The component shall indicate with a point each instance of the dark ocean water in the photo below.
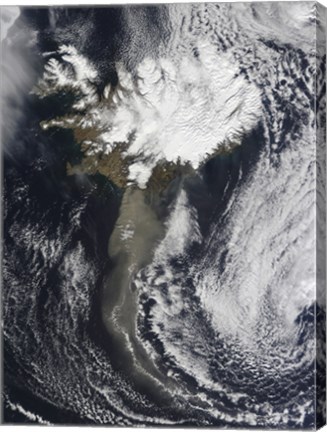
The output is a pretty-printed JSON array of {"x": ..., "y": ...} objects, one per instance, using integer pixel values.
[{"x": 51, "y": 196}]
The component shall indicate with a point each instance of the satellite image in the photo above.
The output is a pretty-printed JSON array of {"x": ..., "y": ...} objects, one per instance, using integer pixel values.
[{"x": 163, "y": 203}]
